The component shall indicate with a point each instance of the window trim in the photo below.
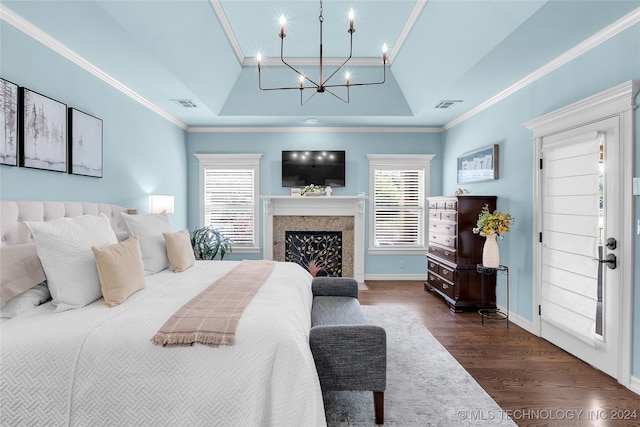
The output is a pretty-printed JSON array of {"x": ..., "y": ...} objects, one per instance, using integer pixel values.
[
  {"x": 239, "y": 161},
  {"x": 399, "y": 161}
]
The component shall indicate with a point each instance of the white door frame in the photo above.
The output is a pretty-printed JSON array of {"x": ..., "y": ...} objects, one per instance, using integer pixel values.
[{"x": 617, "y": 101}]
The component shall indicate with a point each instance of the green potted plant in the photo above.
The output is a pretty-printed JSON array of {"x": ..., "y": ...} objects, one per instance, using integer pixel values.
[{"x": 208, "y": 241}]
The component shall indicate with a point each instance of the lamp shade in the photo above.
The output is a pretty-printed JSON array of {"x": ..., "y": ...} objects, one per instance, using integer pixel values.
[{"x": 159, "y": 203}]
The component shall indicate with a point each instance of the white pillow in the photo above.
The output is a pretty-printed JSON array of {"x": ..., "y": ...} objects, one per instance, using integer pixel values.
[
  {"x": 64, "y": 247},
  {"x": 25, "y": 301},
  {"x": 149, "y": 229}
]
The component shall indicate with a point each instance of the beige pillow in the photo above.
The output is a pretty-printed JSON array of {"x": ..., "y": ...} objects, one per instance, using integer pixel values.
[
  {"x": 120, "y": 270},
  {"x": 20, "y": 270},
  {"x": 179, "y": 250}
]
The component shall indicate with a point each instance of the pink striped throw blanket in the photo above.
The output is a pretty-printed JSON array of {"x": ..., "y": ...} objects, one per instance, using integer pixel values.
[{"x": 212, "y": 316}]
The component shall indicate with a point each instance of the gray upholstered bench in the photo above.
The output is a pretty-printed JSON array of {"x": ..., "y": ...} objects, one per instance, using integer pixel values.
[{"x": 349, "y": 352}]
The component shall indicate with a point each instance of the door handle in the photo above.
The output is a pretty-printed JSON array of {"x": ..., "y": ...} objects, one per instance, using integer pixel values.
[{"x": 611, "y": 261}]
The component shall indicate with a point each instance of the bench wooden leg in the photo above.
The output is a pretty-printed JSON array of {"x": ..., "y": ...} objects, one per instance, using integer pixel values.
[{"x": 378, "y": 404}]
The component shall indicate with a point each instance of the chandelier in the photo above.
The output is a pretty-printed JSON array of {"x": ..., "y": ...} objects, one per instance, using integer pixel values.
[{"x": 322, "y": 85}]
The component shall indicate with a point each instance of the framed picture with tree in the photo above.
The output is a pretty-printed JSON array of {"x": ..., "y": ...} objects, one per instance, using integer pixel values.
[
  {"x": 9, "y": 114},
  {"x": 43, "y": 132},
  {"x": 85, "y": 144}
]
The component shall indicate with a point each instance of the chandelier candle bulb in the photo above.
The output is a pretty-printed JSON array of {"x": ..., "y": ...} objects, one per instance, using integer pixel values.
[
  {"x": 322, "y": 84},
  {"x": 384, "y": 53}
]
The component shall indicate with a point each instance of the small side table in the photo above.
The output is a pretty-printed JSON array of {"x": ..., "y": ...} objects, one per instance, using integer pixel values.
[{"x": 493, "y": 313}]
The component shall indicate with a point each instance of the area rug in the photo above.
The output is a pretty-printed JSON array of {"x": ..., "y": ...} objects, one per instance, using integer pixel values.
[{"x": 426, "y": 386}]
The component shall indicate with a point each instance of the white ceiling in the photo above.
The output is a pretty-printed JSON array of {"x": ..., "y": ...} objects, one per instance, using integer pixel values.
[{"x": 204, "y": 51}]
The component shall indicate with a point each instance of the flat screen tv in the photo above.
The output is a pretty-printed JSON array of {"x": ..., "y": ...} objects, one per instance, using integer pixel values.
[{"x": 304, "y": 167}]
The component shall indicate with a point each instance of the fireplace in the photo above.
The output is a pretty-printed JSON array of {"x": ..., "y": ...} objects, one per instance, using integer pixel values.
[
  {"x": 335, "y": 213},
  {"x": 319, "y": 252}
]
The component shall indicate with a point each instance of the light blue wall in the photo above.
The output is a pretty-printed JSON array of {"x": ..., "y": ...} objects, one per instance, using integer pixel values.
[
  {"x": 356, "y": 144},
  {"x": 143, "y": 153},
  {"x": 605, "y": 66}
]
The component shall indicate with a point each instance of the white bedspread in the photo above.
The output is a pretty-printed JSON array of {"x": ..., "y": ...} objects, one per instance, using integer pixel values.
[{"x": 96, "y": 365}]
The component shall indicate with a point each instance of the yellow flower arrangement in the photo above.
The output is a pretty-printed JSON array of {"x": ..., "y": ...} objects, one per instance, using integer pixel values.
[{"x": 493, "y": 223}]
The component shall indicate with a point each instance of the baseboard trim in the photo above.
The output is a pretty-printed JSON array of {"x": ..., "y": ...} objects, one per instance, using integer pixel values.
[
  {"x": 398, "y": 277},
  {"x": 525, "y": 324},
  {"x": 634, "y": 384}
]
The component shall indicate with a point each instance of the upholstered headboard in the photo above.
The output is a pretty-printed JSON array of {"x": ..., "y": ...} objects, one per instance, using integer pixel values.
[{"x": 13, "y": 231}]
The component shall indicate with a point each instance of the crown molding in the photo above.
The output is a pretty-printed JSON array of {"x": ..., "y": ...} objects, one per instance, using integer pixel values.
[
  {"x": 413, "y": 17},
  {"x": 226, "y": 26},
  {"x": 36, "y": 33},
  {"x": 358, "y": 62},
  {"x": 601, "y": 36}
]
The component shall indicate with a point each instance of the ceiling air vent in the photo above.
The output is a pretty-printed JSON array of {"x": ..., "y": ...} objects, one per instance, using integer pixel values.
[
  {"x": 186, "y": 103},
  {"x": 448, "y": 103}
]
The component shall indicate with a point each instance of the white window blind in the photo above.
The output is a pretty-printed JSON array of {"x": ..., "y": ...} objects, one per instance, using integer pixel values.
[
  {"x": 399, "y": 186},
  {"x": 229, "y": 201},
  {"x": 399, "y": 207}
]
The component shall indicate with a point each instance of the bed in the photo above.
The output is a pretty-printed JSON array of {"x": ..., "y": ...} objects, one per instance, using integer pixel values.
[{"x": 96, "y": 365}]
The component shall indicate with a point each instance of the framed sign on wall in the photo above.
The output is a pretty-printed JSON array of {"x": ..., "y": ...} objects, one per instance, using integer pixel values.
[{"x": 478, "y": 165}]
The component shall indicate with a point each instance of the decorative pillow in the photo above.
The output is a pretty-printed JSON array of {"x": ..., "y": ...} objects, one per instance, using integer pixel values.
[
  {"x": 26, "y": 300},
  {"x": 149, "y": 229},
  {"x": 20, "y": 269},
  {"x": 179, "y": 250},
  {"x": 64, "y": 246},
  {"x": 120, "y": 270}
]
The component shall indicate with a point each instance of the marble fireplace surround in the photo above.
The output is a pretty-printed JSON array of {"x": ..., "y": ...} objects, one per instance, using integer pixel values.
[{"x": 318, "y": 206}]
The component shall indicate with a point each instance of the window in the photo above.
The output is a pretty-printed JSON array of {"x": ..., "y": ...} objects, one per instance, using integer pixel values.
[
  {"x": 399, "y": 186},
  {"x": 229, "y": 197}
]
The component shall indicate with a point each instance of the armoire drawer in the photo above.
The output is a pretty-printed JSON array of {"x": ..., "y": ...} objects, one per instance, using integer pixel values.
[
  {"x": 449, "y": 216},
  {"x": 445, "y": 253},
  {"x": 441, "y": 285},
  {"x": 442, "y": 239},
  {"x": 442, "y": 227},
  {"x": 446, "y": 272},
  {"x": 433, "y": 266}
]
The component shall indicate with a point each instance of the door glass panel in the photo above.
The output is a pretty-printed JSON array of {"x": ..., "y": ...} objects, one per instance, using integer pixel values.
[
  {"x": 572, "y": 230},
  {"x": 601, "y": 239}
]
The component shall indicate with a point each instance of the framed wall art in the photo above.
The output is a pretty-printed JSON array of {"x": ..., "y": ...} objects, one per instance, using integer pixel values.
[
  {"x": 43, "y": 132},
  {"x": 85, "y": 144},
  {"x": 9, "y": 114},
  {"x": 479, "y": 165}
]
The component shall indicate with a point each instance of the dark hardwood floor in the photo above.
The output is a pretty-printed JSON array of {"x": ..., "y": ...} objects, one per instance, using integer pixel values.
[{"x": 533, "y": 381}]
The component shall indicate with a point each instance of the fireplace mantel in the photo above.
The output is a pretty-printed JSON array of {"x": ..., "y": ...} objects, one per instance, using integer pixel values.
[{"x": 317, "y": 206}]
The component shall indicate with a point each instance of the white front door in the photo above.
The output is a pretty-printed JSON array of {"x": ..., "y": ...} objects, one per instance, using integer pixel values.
[{"x": 581, "y": 223}]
